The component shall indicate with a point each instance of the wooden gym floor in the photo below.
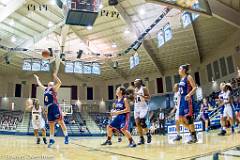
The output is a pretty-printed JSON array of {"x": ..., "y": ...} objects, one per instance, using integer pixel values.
[{"x": 89, "y": 148}]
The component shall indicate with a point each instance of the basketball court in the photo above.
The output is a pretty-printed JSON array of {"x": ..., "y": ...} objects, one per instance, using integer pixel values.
[
  {"x": 89, "y": 148},
  {"x": 80, "y": 52}
]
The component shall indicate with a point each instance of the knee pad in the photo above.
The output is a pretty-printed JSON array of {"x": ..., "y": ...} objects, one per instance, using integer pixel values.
[
  {"x": 143, "y": 123},
  {"x": 189, "y": 119}
]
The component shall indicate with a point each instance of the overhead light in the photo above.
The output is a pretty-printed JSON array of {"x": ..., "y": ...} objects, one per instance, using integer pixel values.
[
  {"x": 213, "y": 81},
  {"x": 53, "y": 2},
  {"x": 13, "y": 39},
  {"x": 114, "y": 45},
  {"x": 11, "y": 22},
  {"x": 89, "y": 27},
  {"x": 135, "y": 48},
  {"x": 50, "y": 24},
  {"x": 115, "y": 65},
  {"x": 79, "y": 54},
  {"x": 126, "y": 31},
  {"x": 62, "y": 56},
  {"x": 50, "y": 51},
  {"x": 141, "y": 12},
  {"x": 101, "y": 6}
]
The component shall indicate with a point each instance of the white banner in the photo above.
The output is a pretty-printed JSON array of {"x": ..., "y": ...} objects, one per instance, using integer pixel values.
[{"x": 172, "y": 128}]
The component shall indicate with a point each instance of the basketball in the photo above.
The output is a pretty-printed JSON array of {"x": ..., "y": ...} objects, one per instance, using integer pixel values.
[{"x": 45, "y": 54}]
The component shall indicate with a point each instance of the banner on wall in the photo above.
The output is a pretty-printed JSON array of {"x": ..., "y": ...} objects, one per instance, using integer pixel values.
[{"x": 172, "y": 128}]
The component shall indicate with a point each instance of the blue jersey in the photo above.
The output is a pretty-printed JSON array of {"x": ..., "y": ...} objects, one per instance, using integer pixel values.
[
  {"x": 184, "y": 87},
  {"x": 205, "y": 108},
  {"x": 50, "y": 97},
  {"x": 119, "y": 105}
]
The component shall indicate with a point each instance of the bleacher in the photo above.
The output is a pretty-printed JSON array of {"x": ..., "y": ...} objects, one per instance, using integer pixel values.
[{"x": 9, "y": 120}]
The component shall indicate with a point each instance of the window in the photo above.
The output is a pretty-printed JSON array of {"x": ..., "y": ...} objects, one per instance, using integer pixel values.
[
  {"x": 160, "y": 38},
  {"x": 223, "y": 66},
  {"x": 216, "y": 70},
  {"x": 167, "y": 32},
  {"x": 209, "y": 72},
  {"x": 176, "y": 78},
  {"x": 230, "y": 64},
  {"x": 168, "y": 81},
  {"x": 186, "y": 19}
]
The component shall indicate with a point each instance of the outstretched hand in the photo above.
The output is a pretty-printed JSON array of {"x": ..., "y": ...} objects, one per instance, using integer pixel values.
[{"x": 35, "y": 76}]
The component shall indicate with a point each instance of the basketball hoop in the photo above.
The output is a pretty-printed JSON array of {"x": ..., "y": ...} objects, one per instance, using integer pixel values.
[{"x": 66, "y": 109}]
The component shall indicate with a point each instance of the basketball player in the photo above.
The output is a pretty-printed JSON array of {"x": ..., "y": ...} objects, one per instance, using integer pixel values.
[
  {"x": 38, "y": 122},
  {"x": 120, "y": 123},
  {"x": 176, "y": 110},
  {"x": 141, "y": 110},
  {"x": 187, "y": 88},
  {"x": 204, "y": 114},
  {"x": 119, "y": 135},
  {"x": 221, "y": 105},
  {"x": 53, "y": 108},
  {"x": 228, "y": 108},
  {"x": 237, "y": 111}
]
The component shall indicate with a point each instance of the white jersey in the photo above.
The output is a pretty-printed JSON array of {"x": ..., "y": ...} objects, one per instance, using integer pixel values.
[
  {"x": 37, "y": 119},
  {"x": 139, "y": 100},
  {"x": 228, "y": 110},
  {"x": 36, "y": 114},
  {"x": 226, "y": 98}
]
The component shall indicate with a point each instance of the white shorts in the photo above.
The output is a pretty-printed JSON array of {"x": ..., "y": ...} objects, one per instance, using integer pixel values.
[
  {"x": 39, "y": 124},
  {"x": 177, "y": 115},
  {"x": 228, "y": 111},
  {"x": 140, "y": 112}
]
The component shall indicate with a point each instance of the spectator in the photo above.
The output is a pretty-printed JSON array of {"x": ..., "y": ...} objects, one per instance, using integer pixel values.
[{"x": 161, "y": 119}]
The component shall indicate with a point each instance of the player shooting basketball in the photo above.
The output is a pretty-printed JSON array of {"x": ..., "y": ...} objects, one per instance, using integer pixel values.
[{"x": 53, "y": 108}]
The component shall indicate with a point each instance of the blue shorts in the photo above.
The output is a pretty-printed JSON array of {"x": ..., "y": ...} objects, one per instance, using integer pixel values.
[
  {"x": 221, "y": 110},
  {"x": 205, "y": 116},
  {"x": 185, "y": 107},
  {"x": 120, "y": 122},
  {"x": 54, "y": 113}
]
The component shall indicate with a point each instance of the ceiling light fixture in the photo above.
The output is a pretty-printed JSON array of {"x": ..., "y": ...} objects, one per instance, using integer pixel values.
[
  {"x": 50, "y": 24},
  {"x": 89, "y": 27},
  {"x": 126, "y": 31},
  {"x": 114, "y": 45},
  {"x": 53, "y": 2},
  {"x": 13, "y": 39},
  {"x": 101, "y": 6},
  {"x": 79, "y": 54},
  {"x": 141, "y": 11}
]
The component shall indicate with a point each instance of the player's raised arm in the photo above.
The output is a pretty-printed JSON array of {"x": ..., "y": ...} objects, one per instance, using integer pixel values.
[
  {"x": 58, "y": 82},
  {"x": 39, "y": 82}
]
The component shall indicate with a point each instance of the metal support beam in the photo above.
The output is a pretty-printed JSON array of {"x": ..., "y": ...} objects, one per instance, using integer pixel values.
[
  {"x": 10, "y": 8},
  {"x": 146, "y": 45},
  {"x": 108, "y": 62},
  {"x": 193, "y": 25},
  {"x": 64, "y": 33},
  {"x": 206, "y": 13},
  {"x": 225, "y": 13},
  {"x": 40, "y": 36}
]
